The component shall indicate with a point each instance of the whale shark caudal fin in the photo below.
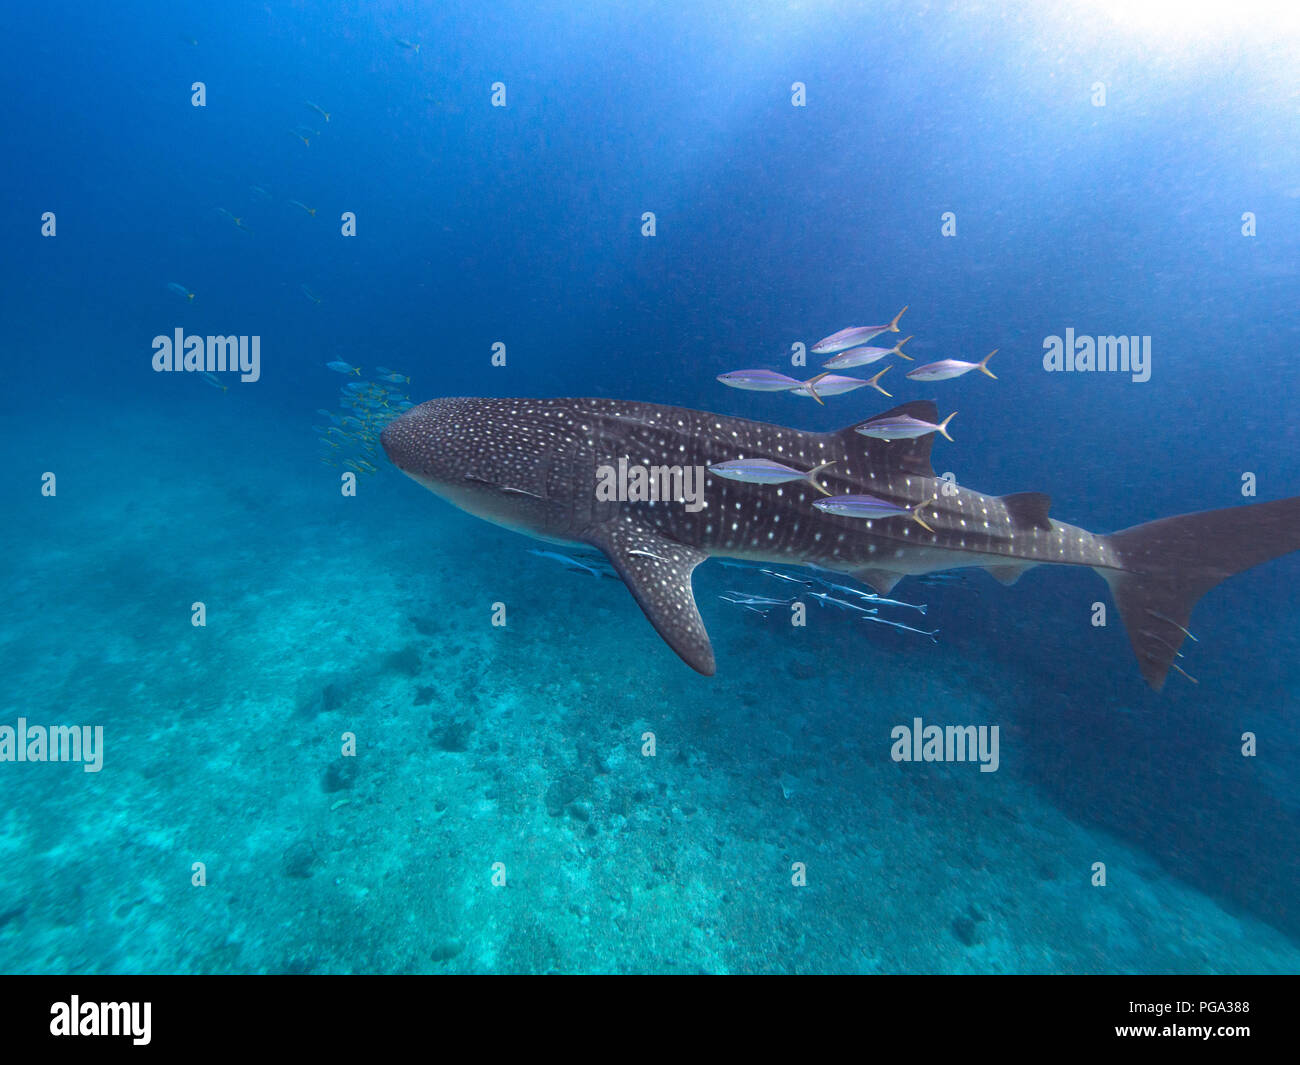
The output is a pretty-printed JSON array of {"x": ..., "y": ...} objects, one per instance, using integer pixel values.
[
  {"x": 658, "y": 572},
  {"x": 1169, "y": 564}
]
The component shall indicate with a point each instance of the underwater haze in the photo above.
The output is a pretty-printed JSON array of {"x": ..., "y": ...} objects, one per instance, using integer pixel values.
[{"x": 330, "y": 723}]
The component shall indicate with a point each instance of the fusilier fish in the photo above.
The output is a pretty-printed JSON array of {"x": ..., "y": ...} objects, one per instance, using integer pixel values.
[
  {"x": 947, "y": 369},
  {"x": 239, "y": 222},
  {"x": 766, "y": 471},
  {"x": 759, "y": 381},
  {"x": 830, "y": 384},
  {"x": 894, "y": 426},
  {"x": 769, "y": 381},
  {"x": 846, "y": 360},
  {"x": 854, "y": 336},
  {"x": 872, "y": 508}
]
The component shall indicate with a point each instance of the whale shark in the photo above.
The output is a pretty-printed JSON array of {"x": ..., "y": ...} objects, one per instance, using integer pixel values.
[{"x": 558, "y": 470}]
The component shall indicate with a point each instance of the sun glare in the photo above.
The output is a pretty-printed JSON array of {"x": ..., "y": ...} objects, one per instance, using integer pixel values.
[{"x": 1206, "y": 21}]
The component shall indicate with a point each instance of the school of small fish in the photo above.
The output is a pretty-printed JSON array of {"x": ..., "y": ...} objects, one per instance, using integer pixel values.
[
  {"x": 847, "y": 349},
  {"x": 350, "y": 437},
  {"x": 859, "y": 602},
  {"x": 863, "y": 603}
]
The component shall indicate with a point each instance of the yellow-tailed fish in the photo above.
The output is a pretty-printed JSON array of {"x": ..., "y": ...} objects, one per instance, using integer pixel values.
[{"x": 239, "y": 222}]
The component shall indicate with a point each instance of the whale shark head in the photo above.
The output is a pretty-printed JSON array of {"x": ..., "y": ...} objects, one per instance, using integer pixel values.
[
  {"x": 429, "y": 442},
  {"x": 497, "y": 459}
]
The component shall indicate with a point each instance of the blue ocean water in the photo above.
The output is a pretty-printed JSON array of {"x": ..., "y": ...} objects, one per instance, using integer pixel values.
[{"x": 1008, "y": 173}]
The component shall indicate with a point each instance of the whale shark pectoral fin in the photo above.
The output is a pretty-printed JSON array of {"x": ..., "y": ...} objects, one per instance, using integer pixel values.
[{"x": 657, "y": 571}]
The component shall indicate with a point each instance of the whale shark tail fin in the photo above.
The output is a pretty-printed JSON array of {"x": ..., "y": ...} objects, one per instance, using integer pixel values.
[{"x": 1167, "y": 565}]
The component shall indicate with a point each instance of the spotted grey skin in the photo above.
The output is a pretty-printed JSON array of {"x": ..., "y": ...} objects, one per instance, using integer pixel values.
[{"x": 531, "y": 465}]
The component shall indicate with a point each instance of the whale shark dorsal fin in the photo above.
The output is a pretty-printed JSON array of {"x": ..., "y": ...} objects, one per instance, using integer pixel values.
[
  {"x": 657, "y": 571},
  {"x": 905, "y": 456},
  {"x": 1028, "y": 510}
]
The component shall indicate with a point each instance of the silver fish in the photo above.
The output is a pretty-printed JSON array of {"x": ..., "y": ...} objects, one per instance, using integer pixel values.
[
  {"x": 872, "y": 597},
  {"x": 745, "y": 599},
  {"x": 902, "y": 427},
  {"x": 784, "y": 577},
  {"x": 758, "y": 380},
  {"x": 907, "y": 628},
  {"x": 823, "y": 598},
  {"x": 829, "y": 384},
  {"x": 765, "y": 471},
  {"x": 854, "y": 336},
  {"x": 769, "y": 381},
  {"x": 947, "y": 369},
  {"x": 872, "y": 508},
  {"x": 846, "y": 360}
]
